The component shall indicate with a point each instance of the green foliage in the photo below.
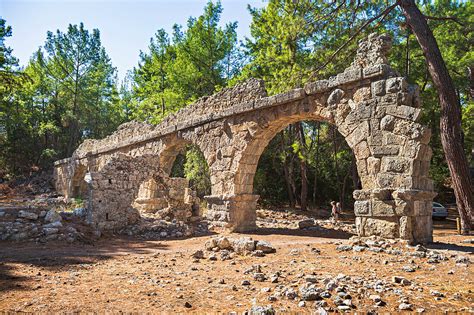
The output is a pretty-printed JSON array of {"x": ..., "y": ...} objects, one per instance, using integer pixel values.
[
  {"x": 197, "y": 171},
  {"x": 70, "y": 95},
  {"x": 195, "y": 62}
]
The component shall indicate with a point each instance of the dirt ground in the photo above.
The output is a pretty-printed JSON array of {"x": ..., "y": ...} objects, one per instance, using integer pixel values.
[{"x": 119, "y": 274}]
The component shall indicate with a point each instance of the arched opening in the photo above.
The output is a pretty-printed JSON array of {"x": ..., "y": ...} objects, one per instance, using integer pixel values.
[
  {"x": 301, "y": 162},
  {"x": 177, "y": 191},
  {"x": 78, "y": 186},
  {"x": 302, "y": 169}
]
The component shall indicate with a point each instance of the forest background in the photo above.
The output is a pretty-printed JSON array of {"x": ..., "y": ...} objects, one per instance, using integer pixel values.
[{"x": 69, "y": 90}]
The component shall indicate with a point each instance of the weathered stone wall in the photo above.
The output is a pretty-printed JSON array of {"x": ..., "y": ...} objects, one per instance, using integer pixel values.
[
  {"x": 371, "y": 105},
  {"x": 127, "y": 188}
]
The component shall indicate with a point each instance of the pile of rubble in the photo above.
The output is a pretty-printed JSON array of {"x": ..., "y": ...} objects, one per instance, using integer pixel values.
[
  {"x": 149, "y": 228},
  {"x": 33, "y": 224},
  {"x": 229, "y": 247}
]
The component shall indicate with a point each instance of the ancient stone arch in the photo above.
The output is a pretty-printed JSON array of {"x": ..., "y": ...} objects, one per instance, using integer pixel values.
[{"x": 371, "y": 105}]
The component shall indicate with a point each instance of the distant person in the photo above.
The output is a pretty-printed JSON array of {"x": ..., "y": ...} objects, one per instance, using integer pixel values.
[
  {"x": 338, "y": 208},
  {"x": 334, "y": 213}
]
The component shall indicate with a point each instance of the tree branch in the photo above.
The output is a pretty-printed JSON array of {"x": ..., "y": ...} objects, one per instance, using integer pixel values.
[
  {"x": 443, "y": 18},
  {"x": 383, "y": 14}
]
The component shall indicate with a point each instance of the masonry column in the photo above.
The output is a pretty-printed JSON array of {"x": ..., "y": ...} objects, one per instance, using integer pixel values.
[{"x": 232, "y": 212}]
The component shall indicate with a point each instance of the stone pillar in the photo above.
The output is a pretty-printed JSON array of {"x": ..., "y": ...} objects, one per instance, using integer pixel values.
[
  {"x": 401, "y": 213},
  {"x": 234, "y": 213}
]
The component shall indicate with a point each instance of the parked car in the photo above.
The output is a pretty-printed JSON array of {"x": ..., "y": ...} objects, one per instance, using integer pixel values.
[{"x": 439, "y": 211}]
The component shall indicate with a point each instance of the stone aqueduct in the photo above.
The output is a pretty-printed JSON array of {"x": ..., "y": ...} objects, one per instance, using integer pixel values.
[{"x": 370, "y": 104}]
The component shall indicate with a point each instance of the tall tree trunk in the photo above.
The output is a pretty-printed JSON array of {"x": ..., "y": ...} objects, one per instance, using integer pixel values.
[
  {"x": 286, "y": 173},
  {"x": 316, "y": 164},
  {"x": 450, "y": 121},
  {"x": 303, "y": 167},
  {"x": 336, "y": 167}
]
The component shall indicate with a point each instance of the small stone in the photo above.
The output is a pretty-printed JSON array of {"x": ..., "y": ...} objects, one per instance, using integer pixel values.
[
  {"x": 265, "y": 247},
  {"x": 52, "y": 216},
  {"x": 303, "y": 224},
  {"x": 245, "y": 282},
  {"x": 344, "y": 307},
  {"x": 408, "y": 269},
  {"x": 27, "y": 215},
  {"x": 213, "y": 257},
  {"x": 401, "y": 280},
  {"x": 258, "y": 276},
  {"x": 375, "y": 298},
  {"x": 50, "y": 231},
  {"x": 210, "y": 244},
  {"x": 187, "y": 305},
  {"x": 272, "y": 298},
  {"x": 344, "y": 248},
  {"x": 311, "y": 279},
  {"x": 405, "y": 307},
  {"x": 358, "y": 248},
  {"x": 199, "y": 254},
  {"x": 224, "y": 243},
  {"x": 56, "y": 224},
  {"x": 291, "y": 294},
  {"x": 258, "y": 253},
  {"x": 261, "y": 310},
  {"x": 302, "y": 304},
  {"x": 436, "y": 293}
]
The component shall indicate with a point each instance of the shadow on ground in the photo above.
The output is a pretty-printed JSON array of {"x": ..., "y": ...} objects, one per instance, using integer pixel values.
[
  {"x": 57, "y": 256},
  {"x": 320, "y": 232}
]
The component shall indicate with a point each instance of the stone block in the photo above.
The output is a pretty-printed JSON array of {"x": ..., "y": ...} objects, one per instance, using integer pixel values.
[
  {"x": 359, "y": 134},
  {"x": 378, "y": 88},
  {"x": 361, "y": 194},
  {"x": 361, "y": 167},
  {"x": 391, "y": 139},
  {"x": 362, "y": 208},
  {"x": 350, "y": 75},
  {"x": 385, "y": 180},
  {"x": 383, "y": 227},
  {"x": 373, "y": 165},
  {"x": 403, "y": 111},
  {"x": 383, "y": 208},
  {"x": 379, "y": 151},
  {"x": 361, "y": 150},
  {"x": 395, "y": 164},
  {"x": 387, "y": 123},
  {"x": 397, "y": 84},
  {"x": 362, "y": 94},
  {"x": 335, "y": 97},
  {"x": 375, "y": 71},
  {"x": 319, "y": 86}
]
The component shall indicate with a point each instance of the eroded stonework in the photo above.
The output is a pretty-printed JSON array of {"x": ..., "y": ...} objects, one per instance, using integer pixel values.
[{"x": 373, "y": 107}]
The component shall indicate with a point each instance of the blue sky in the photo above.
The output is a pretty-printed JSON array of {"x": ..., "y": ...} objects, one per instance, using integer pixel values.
[{"x": 126, "y": 25}]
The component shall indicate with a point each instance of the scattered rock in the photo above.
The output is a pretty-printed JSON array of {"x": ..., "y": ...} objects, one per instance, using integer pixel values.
[
  {"x": 27, "y": 215},
  {"x": 52, "y": 216},
  {"x": 265, "y": 247},
  {"x": 405, "y": 307},
  {"x": 303, "y": 224},
  {"x": 401, "y": 280},
  {"x": 261, "y": 310},
  {"x": 344, "y": 248},
  {"x": 199, "y": 254}
]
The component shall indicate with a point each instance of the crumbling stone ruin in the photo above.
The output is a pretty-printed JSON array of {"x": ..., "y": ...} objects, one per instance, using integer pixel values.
[{"x": 371, "y": 105}]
